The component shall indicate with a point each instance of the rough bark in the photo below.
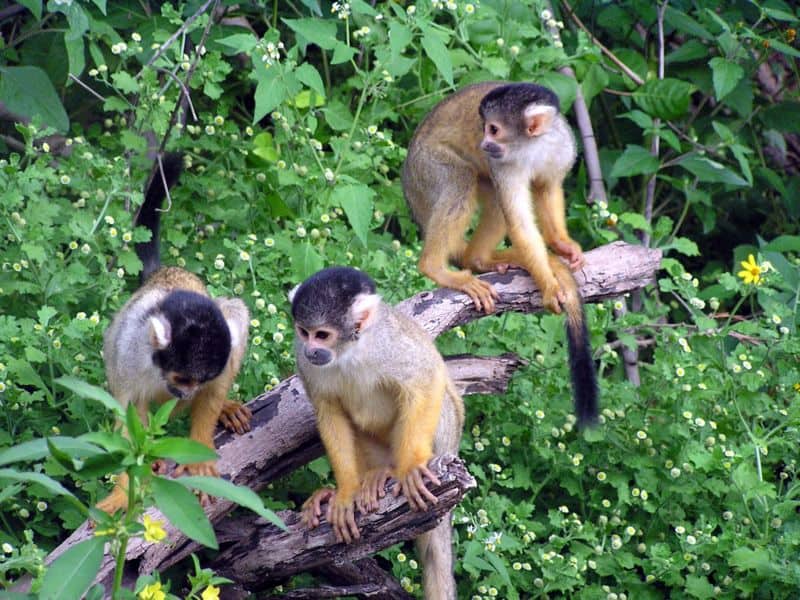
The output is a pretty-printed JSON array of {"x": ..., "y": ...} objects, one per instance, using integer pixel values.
[
  {"x": 263, "y": 555},
  {"x": 284, "y": 434}
]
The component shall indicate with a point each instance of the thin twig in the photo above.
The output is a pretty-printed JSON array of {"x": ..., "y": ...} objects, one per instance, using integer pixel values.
[
  {"x": 164, "y": 183},
  {"x": 183, "y": 87},
  {"x": 623, "y": 67},
  {"x": 176, "y": 35},
  {"x": 87, "y": 88}
]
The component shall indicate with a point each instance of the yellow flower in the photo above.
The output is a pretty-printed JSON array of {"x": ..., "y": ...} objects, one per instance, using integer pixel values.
[
  {"x": 210, "y": 593},
  {"x": 152, "y": 592},
  {"x": 752, "y": 272},
  {"x": 153, "y": 530},
  {"x": 796, "y": 387}
]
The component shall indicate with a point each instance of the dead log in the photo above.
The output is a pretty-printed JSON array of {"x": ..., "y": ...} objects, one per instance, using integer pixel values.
[
  {"x": 263, "y": 555},
  {"x": 284, "y": 433}
]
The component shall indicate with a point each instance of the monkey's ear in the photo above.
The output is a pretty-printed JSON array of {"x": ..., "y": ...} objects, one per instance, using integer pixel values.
[
  {"x": 538, "y": 119},
  {"x": 365, "y": 310},
  {"x": 160, "y": 332},
  {"x": 292, "y": 293}
]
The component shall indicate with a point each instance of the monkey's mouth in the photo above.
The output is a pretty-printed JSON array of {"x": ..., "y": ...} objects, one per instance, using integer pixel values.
[{"x": 494, "y": 154}]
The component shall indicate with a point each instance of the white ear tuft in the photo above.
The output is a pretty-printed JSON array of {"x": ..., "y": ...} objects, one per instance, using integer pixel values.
[
  {"x": 292, "y": 293},
  {"x": 160, "y": 332},
  {"x": 539, "y": 118},
  {"x": 365, "y": 309}
]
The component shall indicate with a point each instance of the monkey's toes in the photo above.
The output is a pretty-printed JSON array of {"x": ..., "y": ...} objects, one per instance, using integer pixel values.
[
  {"x": 482, "y": 293},
  {"x": 235, "y": 417},
  {"x": 207, "y": 469}
]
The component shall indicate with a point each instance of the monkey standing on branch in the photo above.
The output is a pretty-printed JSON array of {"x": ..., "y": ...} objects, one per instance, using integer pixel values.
[
  {"x": 508, "y": 148},
  {"x": 385, "y": 405},
  {"x": 172, "y": 340}
]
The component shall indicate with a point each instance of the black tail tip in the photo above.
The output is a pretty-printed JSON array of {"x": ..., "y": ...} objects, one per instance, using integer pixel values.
[{"x": 584, "y": 377}]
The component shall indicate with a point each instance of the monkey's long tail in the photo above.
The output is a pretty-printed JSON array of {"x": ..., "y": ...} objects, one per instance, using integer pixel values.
[
  {"x": 581, "y": 364},
  {"x": 149, "y": 216}
]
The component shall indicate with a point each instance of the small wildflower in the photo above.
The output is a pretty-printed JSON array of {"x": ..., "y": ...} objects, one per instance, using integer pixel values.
[
  {"x": 243, "y": 255},
  {"x": 7, "y": 548},
  {"x": 64, "y": 179},
  {"x": 277, "y": 337},
  {"x": 691, "y": 540},
  {"x": 152, "y": 592},
  {"x": 680, "y": 530},
  {"x": 301, "y": 232},
  {"x": 219, "y": 264},
  {"x": 514, "y": 50},
  {"x": 680, "y": 371},
  {"x": 675, "y": 472},
  {"x": 601, "y": 476},
  {"x": 751, "y": 275},
  {"x": 401, "y": 557},
  {"x": 469, "y": 8},
  {"x": 153, "y": 530},
  {"x": 539, "y": 414},
  {"x": 210, "y": 593},
  {"x": 641, "y": 435}
]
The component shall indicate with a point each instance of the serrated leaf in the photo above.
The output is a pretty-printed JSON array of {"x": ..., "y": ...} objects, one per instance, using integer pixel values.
[
  {"x": 684, "y": 246},
  {"x": 356, "y": 201},
  {"x": 338, "y": 116},
  {"x": 239, "y": 42},
  {"x": 183, "y": 510},
  {"x": 45, "y": 314},
  {"x": 25, "y": 373},
  {"x": 241, "y": 495},
  {"x": 342, "y": 53},
  {"x": 321, "y": 32},
  {"x": 436, "y": 50},
  {"x": 270, "y": 93},
  {"x": 182, "y": 450},
  {"x": 642, "y": 119},
  {"x": 711, "y": 171},
  {"x": 725, "y": 75},
  {"x": 400, "y": 37},
  {"x": 92, "y": 392},
  {"x": 635, "y": 220},
  {"x": 71, "y": 574},
  {"x": 34, "y": 355},
  {"x": 29, "y": 92},
  {"x": 305, "y": 260},
  {"x": 38, "y": 449},
  {"x": 634, "y": 161},
  {"x": 664, "y": 98},
  {"x": 749, "y": 559},
  {"x": 309, "y": 75},
  {"x": 125, "y": 82}
]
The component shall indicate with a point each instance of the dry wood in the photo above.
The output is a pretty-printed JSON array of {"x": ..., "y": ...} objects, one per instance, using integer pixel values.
[{"x": 284, "y": 434}]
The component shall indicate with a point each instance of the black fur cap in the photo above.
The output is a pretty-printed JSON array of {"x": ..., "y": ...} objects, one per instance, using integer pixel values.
[
  {"x": 512, "y": 98},
  {"x": 200, "y": 341},
  {"x": 326, "y": 296}
]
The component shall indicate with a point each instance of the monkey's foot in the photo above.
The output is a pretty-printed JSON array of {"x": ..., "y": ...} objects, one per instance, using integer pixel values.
[
  {"x": 235, "y": 417},
  {"x": 570, "y": 251},
  {"x": 372, "y": 489},
  {"x": 312, "y": 508},
  {"x": 553, "y": 297},
  {"x": 116, "y": 500},
  {"x": 482, "y": 293},
  {"x": 413, "y": 487},
  {"x": 341, "y": 516},
  {"x": 207, "y": 469}
]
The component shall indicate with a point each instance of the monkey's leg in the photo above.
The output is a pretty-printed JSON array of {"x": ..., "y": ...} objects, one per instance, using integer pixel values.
[
  {"x": 444, "y": 232},
  {"x": 480, "y": 254},
  {"x": 338, "y": 437},
  {"x": 377, "y": 466},
  {"x": 528, "y": 248},
  {"x": 435, "y": 552},
  {"x": 551, "y": 216},
  {"x": 118, "y": 498},
  {"x": 420, "y": 407},
  {"x": 235, "y": 417}
]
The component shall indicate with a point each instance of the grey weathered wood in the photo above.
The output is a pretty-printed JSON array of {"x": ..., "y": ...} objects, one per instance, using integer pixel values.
[
  {"x": 284, "y": 433},
  {"x": 263, "y": 555}
]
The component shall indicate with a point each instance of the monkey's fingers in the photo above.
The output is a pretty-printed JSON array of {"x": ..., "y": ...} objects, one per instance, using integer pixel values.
[
  {"x": 235, "y": 417},
  {"x": 312, "y": 507},
  {"x": 482, "y": 293},
  {"x": 372, "y": 489},
  {"x": 570, "y": 251},
  {"x": 342, "y": 518}
]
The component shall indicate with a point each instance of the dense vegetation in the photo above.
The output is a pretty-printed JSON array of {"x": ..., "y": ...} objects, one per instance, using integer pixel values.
[{"x": 294, "y": 118}]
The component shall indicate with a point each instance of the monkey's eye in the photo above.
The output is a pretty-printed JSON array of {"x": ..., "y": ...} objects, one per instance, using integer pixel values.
[
  {"x": 493, "y": 129},
  {"x": 322, "y": 335},
  {"x": 303, "y": 333},
  {"x": 181, "y": 380}
]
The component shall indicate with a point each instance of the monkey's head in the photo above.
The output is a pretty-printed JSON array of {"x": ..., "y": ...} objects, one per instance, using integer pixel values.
[
  {"x": 191, "y": 341},
  {"x": 513, "y": 115},
  {"x": 330, "y": 310}
]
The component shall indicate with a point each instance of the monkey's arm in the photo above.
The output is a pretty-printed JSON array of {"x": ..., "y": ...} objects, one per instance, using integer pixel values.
[
  {"x": 338, "y": 438},
  {"x": 419, "y": 411},
  {"x": 551, "y": 216}
]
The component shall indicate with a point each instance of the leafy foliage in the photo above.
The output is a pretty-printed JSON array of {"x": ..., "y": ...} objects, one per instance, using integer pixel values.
[{"x": 293, "y": 121}]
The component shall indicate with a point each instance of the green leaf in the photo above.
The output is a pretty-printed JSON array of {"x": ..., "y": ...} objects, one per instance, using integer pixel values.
[
  {"x": 688, "y": 51},
  {"x": 45, "y": 314},
  {"x": 749, "y": 559},
  {"x": 356, "y": 201},
  {"x": 594, "y": 82},
  {"x": 783, "y": 243},
  {"x": 134, "y": 425},
  {"x": 270, "y": 93},
  {"x": 782, "y": 117},
  {"x": 73, "y": 572},
  {"x": 46, "y": 482},
  {"x": 76, "y": 54},
  {"x": 305, "y": 260},
  {"x": 92, "y": 392},
  {"x": 635, "y": 220},
  {"x": 321, "y": 32},
  {"x": 683, "y": 22},
  {"x": 182, "y": 450},
  {"x": 683, "y": 245},
  {"x": 183, "y": 510},
  {"x": 726, "y": 74},
  {"x": 37, "y": 449},
  {"x": 125, "y": 82},
  {"x": 436, "y": 50},
  {"x": 310, "y": 77},
  {"x": 338, "y": 116},
  {"x": 28, "y": 91},
  {"x": 400, "y": 37},
  {"x": 241, "y": 495},
  {"x": 35, "y": 6},
  {"x": 25, "y": 373},
  {"x": 239, "y": 42},
  {"x": 664, "y": 98},
  {"x": 711, "y": 171},
  {"x": 35, "y": 355},
  {"x": 161, "y": 418},
  {"x": 342, "y": 53},
  {"x": 634, "y": 161},
  {"x": 642, "y": 119}
]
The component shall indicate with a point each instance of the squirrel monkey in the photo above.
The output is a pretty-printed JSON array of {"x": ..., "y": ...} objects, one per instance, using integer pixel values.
[
  {"x": 507, "y": 148},
  {"x": 171, "y": 339},
  {"x": 385, "y": 405}
]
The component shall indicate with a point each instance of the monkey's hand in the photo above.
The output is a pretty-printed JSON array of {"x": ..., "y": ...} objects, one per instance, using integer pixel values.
[
  {"x": 570, "y": 251},
  {"x": 207, "y": 468},
  {"x": 372, "y": 489},
  {"x": 341, "y": 516},
  {"x": 413, "y": 487},
  {"x": 235, "y": 417},
  {"x": 312, "y": 509},
  {"x": 482, "y": 293}
]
